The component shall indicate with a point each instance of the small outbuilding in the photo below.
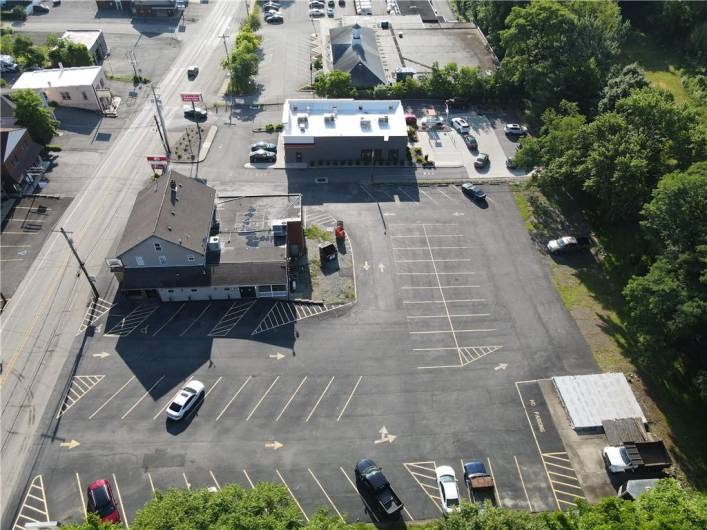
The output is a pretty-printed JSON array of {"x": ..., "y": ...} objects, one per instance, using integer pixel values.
[
  {"x": 592, "y": 399},
  {"x": 354, "y": 50},
  {"x": 93, "y": 39}
]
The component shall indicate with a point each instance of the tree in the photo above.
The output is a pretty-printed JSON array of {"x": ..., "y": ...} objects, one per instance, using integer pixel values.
[
  {"x": 92, "y": 522},
  {"x": 490, "y": 16},
  {"x": 31, "y": 113},
  {"x": 70, "y": 54},
  {"x": 620, "y": 84},
  {"x": 242, "y": 64},
  {"x": 334, "y": 84}
]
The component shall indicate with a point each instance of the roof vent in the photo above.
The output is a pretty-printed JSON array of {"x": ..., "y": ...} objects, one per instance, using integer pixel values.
[
  {"x": 173, "y": 184},
  {"x": 169, "y": 227}
]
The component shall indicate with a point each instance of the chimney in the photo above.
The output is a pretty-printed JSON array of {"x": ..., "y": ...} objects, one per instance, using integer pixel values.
[
  {"x": 173, "y": 187},
  {"x": 355, "y": 33}
]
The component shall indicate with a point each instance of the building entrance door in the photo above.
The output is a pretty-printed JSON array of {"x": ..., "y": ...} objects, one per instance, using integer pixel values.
[{"x": 247, "y": 292}]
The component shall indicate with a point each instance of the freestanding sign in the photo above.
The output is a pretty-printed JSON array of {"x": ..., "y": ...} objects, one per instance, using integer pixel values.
[
  {"x": 191, "y": 97},
  {"x": 158, "y": 162}
]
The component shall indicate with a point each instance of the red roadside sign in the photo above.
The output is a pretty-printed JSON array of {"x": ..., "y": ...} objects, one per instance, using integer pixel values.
[
  {"x": 190, "y": 97},
  {"x": 157, "y": 158}
]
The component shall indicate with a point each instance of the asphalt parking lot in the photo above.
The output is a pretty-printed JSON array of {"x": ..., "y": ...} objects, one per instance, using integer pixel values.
[
  {"x": 23, "y": 233},
  {"x": 433, "y": 365}
]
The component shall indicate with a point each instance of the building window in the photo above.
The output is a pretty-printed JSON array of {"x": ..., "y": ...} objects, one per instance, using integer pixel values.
[
  {"x": 279, "y": 287},
  {"x": 163, "y": 260},
  {"x": 226, "y": 288},
  {"x": 264, "y": 289},
  {"x": 140, "y": 261},
  {"x": 170, "y": 290},
  {"x": 85, "y": 96},
  {"x": 190, "y": 257},
  {"x": 65, "y": 96},
  {"x": 158, "y": 247},
  {"x": 193, "y": 290}
]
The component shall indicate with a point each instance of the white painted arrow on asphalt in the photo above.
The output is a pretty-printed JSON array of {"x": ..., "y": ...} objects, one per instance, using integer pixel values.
[
  {"x": 277, "y": 356},
  {"x": 366, "y": 266},
  {"x": 273, "y": 445},
  {"x": 381, "y": 267},
  {"x": 70, "y": 444},
  {"x": 389, "y": 214},
  {"x": 457, "y": 214},
  {"x": 385, "y": 436},
  {"x": 102, "y": 355},
  {"x": 501, "y": 366}
]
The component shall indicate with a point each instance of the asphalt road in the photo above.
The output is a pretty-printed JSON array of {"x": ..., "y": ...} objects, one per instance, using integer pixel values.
[
  {"x": 52, "y": 298},
  {"x": 454, "y": 309}
]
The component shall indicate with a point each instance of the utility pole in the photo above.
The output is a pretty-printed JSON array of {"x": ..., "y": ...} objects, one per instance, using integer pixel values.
[
  {"x": 225, "y": 46},
  {"x": 159, "y": 131},
  {"x": 133, "y": 62},
  {"x": 81, "y": 264},
  {"x": 158, "y": 104}
]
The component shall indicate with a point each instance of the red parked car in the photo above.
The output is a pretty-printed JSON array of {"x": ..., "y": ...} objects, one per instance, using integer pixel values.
[{"x": 101, "y": 501}]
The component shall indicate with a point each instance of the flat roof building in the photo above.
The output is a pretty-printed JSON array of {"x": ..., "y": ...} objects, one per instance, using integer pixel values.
[
  {"x": 343, "y": 130},
  {"x": 93, "y": 39},
  {"x": 83, "y": 87}
]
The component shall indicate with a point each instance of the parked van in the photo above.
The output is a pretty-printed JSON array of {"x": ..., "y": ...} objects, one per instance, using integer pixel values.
[{"x": 411, "y": 119}]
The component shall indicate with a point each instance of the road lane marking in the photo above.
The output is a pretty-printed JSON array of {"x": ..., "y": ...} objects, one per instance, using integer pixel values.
[
  {"x": 234, "y": 397},
  {"x": 291, "y": 494},
  {"x": 453, "y": 316},
  {"x": 83, "y": 500},
  {"x": 326, "y": 495},
  {"x": 350, "y": 396},
  {"x": 440, "y": 287},
  {"x": 251, "y": 482},
  {"x": 291, "y": 398},
  {"x": 262, "y": 398},
  {"x": 111, "y": 398},
  {"x": 440, "y": 301},
  {"x": 450, "y": 331},
  {"x": 169, "y": 320},
  {"x": 122, "y": 505},
  {"x": 430, "y": 260},
  {"x": 218, "y": 486},
  {"x": 432, "y": 273},
  {"x": 319, "y": 400},
  {"x": 147, "y": 392},
  {"x": 522, "y": 482},
  {"x": 195, "y": 321}
]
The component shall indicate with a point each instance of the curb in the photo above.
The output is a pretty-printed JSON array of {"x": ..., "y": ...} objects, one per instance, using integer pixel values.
[{"x": 205, "y": 147}]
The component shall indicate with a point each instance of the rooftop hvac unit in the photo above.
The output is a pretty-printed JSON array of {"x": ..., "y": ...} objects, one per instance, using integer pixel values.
[
  {"x": 365, "y": 122},
  {"x": 279, "y": 227},
  {"x": 214, "y": 244},
  {"x": 383, "y": 119},
  {"x": 329, "y": 117}
]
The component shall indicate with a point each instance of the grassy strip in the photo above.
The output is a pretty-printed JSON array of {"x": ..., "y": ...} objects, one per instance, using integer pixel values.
[{"x": 318, "y": 233}]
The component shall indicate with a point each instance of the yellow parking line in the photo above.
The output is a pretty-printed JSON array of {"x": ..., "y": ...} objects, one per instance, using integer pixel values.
[{"x": 522, "y": 482}]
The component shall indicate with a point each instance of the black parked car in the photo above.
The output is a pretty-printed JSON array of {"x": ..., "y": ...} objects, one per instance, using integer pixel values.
[
  {"x": 261, "y": 155},
  {"x": 473, "y": 191},
  {"x": 194, "y": 113},
  {"x": 471, "y": 142}
]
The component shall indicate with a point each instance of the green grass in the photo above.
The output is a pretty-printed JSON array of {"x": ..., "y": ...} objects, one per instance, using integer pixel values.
[
  {"x": 523, "y": 207},
  {"x": 318, "y": 233}
]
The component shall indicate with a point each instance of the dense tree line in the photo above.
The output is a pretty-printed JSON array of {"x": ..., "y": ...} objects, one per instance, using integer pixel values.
[
  {"x": 242, "y": 62},
  {"x": 269, "y": 507},
  {"x": 56, "y": 51}
]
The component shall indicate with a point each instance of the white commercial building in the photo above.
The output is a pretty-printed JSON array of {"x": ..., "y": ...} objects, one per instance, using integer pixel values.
[
  {"x": 93, "y": 39},
  {"x": 83, "y": 87}
]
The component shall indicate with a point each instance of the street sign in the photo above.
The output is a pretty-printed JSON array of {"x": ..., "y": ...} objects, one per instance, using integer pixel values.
[
  {"x": 191, "y": 97},
  {"x": 157, "y": 158}
]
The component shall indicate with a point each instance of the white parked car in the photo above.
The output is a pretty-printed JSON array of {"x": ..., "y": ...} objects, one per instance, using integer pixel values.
[
  {"x": 461, "y": 126},
  {"x": 514, "y": 128},
  {"x": 448, "y": 489},
  {"x": 185, "y": 400},
  {"x": 316, "y": 13}
]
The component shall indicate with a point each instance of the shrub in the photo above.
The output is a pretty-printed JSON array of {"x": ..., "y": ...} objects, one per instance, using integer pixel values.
[
  {"x": 269, "y": 127},
  {"x": 53, "y": 147}
]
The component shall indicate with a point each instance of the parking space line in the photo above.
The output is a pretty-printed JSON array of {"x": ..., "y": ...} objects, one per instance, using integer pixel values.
[
  {"x": 94, "y": 312},
  {"x": 442, "y": 301},
  {"x": 430, "y": 236},
  {"x": 120, "y": 500},
  {"x": 350, "y": 396},
  {"x": 253, "y": 485},
  {"x": 411, "y": 467},
  {"x": 230, "y": 319},
  {"x": 83, "y": 500},
  {"x": 450, "y": 331},
  {"x": 195, "y": 321},
  {"x": 36, "y": 484},
  {"x": 368, "y": 508},
  {"x": 468, "y": 491},
  {"x": 184, "y": 475},
  {"x": 218, "y": 486},
  {"x": 111, "y": 398},
  {"x": 142, "y": 397},
  {"x": 169, "y": 319},
  {"x": 522, "y": 483},
  {"x": 561, "y": 475},
  {"x": 291, "y": 494},
  {"x": 132, "y": 320},
  {"x": 212, "y": 387},
  {"x": 497, "y": 491},
  {"x": 427, "y": 195},
  {"x": 262, "y": 398},
  {"x": 152, "y": 484},
  {"x": 430, "y": 260},
  {"x": 291, "y": 398},
  {"x": 441, "y": 287},
  {"x": 432, "y": 273},
  {"x": 234, "y": 397},
  {"x": 326, "y": 495},
  {"x": 319, "y": 400},
  {"x": 453, "y": 316}
]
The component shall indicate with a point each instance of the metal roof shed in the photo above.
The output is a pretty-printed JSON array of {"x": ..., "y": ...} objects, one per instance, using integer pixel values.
[{"x": 590, "y": 399}]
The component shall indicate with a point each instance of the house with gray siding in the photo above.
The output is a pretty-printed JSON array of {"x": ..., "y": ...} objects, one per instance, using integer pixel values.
[
  {"x": 344, "y": 130},
  {"x": 181, "y": 243}
]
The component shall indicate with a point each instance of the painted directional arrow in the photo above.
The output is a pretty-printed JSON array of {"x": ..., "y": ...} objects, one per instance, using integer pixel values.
[
  {"x": 501, "y": 366},
  {"x": 277, "y": 356},
  {"x": 275, "y": 445},
  {"x": 70, "y": 444},
  {"x": 385, "y": 436},
  {"x": 389, "y": 214},
  {"x": 457, "y": 214},
  {"x": 381, "y": 267},
  {"x": 366, "y": 266},
  {"x": 102, "y": 355}
]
